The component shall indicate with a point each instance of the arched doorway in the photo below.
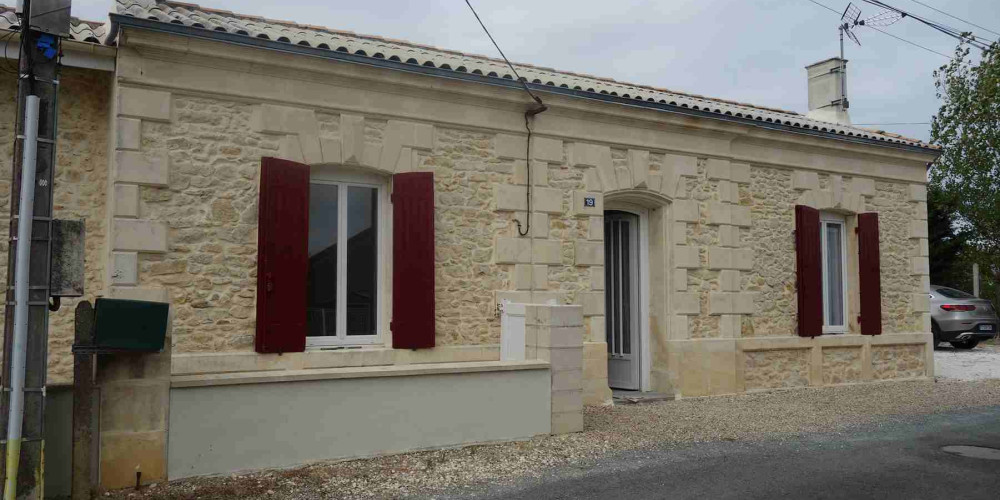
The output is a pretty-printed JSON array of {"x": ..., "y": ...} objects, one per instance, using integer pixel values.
[{"x": 630, "y": 319}]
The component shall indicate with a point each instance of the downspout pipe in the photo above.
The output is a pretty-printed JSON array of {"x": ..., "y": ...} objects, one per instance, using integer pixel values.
[{"x": 25, "y": 216}]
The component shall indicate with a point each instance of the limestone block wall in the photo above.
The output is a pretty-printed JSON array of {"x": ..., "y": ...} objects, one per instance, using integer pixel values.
[
  {"x": 734, "y": 289},
  {"x": 554, "y": 333},
  {"x": 80, "y": 189},
  {"x": 711, "y": 252}
]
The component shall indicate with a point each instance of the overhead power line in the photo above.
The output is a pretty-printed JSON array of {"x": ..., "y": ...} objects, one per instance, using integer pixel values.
[
  {"x": 946, "y": 56},
  {"x": 962, "y": 36},
  {"x": 970, "y": 23},
  {"x": 835, "y": 11},
  {"x": 892, "y": 123}
]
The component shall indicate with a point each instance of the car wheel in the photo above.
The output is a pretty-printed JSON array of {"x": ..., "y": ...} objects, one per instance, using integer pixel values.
[
  {"x": 936, "y": 331},
  {"x": 965, "y": 344}
]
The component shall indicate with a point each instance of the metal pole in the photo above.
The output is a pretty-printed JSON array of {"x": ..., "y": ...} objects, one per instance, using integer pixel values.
[
  {"x": 975, "y": 279},
  {"x": 19, "y": 351},
  {"x": 843, "y": 74}
]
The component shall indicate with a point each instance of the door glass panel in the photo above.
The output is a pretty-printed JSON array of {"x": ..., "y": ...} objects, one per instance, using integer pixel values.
[
  {"x": 626, "y": 287},
  {"x": 362, "y": 259},
  {"x": 322, "y": 293},
  {"x": 616, "y": 313},
  {"x": 835, "y": 274},
  {"x": 609, "y": 278}
]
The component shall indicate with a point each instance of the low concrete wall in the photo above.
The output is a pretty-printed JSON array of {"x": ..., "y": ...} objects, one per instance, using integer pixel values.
[
  {"x": 708, "y": 367},
  {"x": 224, "y": 428}
]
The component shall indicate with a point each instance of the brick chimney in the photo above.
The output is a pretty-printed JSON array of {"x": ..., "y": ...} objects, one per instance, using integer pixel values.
[{"x": 826, "y": 89}]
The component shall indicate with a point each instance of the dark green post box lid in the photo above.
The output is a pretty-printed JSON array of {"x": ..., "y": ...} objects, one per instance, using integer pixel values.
[{"x": 130, "y": 325}]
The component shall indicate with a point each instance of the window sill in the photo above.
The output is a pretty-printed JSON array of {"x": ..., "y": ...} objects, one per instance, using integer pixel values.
[{"x": 264, "y": 377}]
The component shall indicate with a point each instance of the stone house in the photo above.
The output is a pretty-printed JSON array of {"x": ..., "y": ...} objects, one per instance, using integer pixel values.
[{"x": 662, "y": 241}]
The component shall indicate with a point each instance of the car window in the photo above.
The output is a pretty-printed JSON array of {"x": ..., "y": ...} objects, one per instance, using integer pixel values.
[{"x": 951, "y": 293}]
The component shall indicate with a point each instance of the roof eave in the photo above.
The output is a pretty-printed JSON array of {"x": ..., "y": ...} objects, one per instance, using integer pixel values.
[{"x": 118, "y": 21}]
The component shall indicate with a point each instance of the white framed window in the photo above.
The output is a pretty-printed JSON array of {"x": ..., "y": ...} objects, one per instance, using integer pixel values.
[
  {"x": 833, "y": 240},
  {"x": 344, "y": 299}
]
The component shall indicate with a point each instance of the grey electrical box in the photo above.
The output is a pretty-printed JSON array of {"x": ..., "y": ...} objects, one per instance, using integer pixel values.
[
  {"x": 67, "y": 259},
  {"x": 48, "y": 16}
]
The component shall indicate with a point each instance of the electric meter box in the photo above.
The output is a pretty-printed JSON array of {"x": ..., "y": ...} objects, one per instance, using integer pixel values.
[
  {"x": 49, "y": 16},
  {"x": 129, "y": 325}
]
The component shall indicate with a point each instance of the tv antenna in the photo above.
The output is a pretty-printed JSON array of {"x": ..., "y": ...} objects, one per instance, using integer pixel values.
[{"x": 850, "y": 19}]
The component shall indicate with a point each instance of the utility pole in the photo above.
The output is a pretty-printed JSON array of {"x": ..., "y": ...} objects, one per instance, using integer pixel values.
[
  {"x": 975, "y": 279},
  {"x": 22, "y": 403}
]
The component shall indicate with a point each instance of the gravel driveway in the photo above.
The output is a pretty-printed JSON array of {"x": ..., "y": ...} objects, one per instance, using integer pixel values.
[
  {"x": 782, "y": 415},
  {"x": 980, "y": 363}
]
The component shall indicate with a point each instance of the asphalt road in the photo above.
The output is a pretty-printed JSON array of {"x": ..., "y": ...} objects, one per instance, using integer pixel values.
[{"x": 901, "y": 458}]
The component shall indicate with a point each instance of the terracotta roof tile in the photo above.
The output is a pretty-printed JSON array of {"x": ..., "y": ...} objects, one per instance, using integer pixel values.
[
  {"x": 80, "y": 30},
  {"x": 386, "y": 48}
]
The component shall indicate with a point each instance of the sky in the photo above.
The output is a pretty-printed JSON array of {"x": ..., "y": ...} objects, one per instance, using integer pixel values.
[{"x": 752, "y": 51}]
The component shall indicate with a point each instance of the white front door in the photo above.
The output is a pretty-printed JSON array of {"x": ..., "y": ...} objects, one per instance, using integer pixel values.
[{"x": 621, "y": 271}]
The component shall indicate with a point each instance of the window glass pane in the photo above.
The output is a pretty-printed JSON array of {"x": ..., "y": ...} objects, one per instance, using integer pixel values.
[
  {"x": 951, "y": 293},
  {"x": 835, "y": 275},
  {"x": 362, "y": 259},
  {"x": 322, "y": 293}
]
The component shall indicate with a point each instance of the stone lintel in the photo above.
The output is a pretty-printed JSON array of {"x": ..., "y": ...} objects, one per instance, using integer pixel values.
[
  {"x": 352, "y": 136},
  {"x": 638, "y": 161},
  {"x": 278, "y": 119},
  {"x": 804, "y": 180}
]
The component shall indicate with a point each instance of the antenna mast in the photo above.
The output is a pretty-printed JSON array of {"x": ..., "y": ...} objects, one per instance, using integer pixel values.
[{"x": 850, "y": 19}]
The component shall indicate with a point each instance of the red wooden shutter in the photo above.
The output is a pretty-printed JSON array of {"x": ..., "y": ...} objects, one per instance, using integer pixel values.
[
  {"x": 809, "y": 271},
  {"x": 282, "y": 256},
  {"x": 413, "y": 260},
  {"x": 869, "y": 274}
]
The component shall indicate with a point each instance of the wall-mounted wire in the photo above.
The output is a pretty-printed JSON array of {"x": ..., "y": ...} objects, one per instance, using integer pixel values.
[{"x": 537, "y": 108}]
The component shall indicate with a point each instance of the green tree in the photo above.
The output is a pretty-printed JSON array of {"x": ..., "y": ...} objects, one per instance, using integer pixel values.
[
  {"x": 947, "y": 242},
  {"x": 967, "y": 127}
]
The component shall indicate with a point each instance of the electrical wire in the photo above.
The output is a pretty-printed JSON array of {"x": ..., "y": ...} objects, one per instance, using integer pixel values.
[
  {"x": 967, "y": 37},
  {"x": 893, "y": 123},
  {"x": 946, "y": 56},
  {"x": 884, "y": 32},
  {"x": 528, "y": 116},
  {"x": 970, "y": 23},
  {"x": 511, "y": 66}
]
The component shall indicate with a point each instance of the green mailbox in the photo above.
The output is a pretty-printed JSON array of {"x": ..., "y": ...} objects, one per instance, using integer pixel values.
[{"x": 129, "y": 325}]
